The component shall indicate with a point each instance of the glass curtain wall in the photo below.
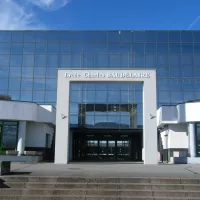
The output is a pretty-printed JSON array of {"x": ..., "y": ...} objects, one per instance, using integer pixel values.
[{"x": 29, "y": 60}]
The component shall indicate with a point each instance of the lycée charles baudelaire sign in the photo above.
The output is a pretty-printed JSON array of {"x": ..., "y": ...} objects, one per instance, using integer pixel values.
[{"x": 107, "y": 75}]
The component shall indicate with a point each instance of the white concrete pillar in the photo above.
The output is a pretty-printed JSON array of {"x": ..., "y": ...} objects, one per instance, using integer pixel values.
[
  {"x": 21, "y": 137},
  {"x": 192, "y": 139}
]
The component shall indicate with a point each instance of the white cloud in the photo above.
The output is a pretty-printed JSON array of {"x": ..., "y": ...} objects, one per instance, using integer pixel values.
[
  {"x": 21, "y": 16},
  {"x": 49, "y": 4}
]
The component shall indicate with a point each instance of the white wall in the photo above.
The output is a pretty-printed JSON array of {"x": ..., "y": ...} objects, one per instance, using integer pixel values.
[
  {"x": 182, "y": 113},
  {"x": 36, "y": 134},
  {"x": 177, "y": 136},
  {"x": 26, "y": 111}
]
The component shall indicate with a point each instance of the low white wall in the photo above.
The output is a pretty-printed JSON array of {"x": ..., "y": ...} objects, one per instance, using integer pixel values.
[
  {"x": 182, "y": 113},
  {"x": 36, "y": 134},
  {"x": 177, "y": 136},
  {"x": 27, "y": 111}
]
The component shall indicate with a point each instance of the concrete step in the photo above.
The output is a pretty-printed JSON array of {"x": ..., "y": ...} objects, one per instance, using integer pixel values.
[
  {"x": 32, "y": 197},
  {"x": 131, "y": 186},
  {"x": 104, "y": 192},
  {"x": 99, "y": 180}
]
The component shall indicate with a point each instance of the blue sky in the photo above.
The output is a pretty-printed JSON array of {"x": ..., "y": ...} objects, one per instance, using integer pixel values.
[{"x": 100, "y": 14}]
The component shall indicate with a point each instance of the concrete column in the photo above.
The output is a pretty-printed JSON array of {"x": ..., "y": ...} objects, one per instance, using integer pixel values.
[
  {"x": 21, "y": 137},
  {"x": 149, "y": 122},
  {"x": 192, "y": 139}
]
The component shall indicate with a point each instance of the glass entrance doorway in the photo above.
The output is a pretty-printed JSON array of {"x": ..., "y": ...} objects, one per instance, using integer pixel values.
[{"x": 100, "y": 147}]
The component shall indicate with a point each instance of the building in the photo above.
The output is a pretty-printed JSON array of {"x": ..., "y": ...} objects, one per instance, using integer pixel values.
[{"x": 106, "y": 119}]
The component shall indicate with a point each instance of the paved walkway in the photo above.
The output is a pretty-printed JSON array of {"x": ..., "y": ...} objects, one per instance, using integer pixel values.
[{"x": 106, "y": 170}]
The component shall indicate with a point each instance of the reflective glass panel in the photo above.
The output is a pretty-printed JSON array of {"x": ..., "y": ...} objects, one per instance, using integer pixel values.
[
  {"x": 187, "y": 36},
  {"x": 26, "y": 96},
  {"x": 29, "y": 36},
  {"x": 162, "y": 36},
  {"x": 174, "y": 36},
  {"x": 5, "y": 36}
]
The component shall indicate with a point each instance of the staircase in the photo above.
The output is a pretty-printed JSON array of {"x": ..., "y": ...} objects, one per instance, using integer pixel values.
[{"x": 74, "y": 188}]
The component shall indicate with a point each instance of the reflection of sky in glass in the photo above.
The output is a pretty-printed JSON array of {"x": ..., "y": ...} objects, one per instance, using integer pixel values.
[{"x": 175, "y": 55}]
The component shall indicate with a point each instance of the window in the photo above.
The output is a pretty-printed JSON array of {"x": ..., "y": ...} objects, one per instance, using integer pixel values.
[
  {"x": 150, "y": 36},
  {"x": 50, "y": 96},
  {"x": 187, "y": 48},
  {"x": 150, "y": 48},
  {"x": 40, "y": 60},
  {"x": 76, "y": 96},
  {"x": 3, "y": 84},
  {"x": 114, "y": 60},
  {"x": 114, "y": 36},
  {"x": 5, "y": 36},
  {"x": 38, "y": 96},
  {"x": 15, "y": 72},
  {"x": 138, "y": 48},
  {"x": 5, "y": 60},
  {"x": 175, "y": 60},
  {"x": 40, "y": 72},
  {"x": 39, "y": 84},
  {"x": 16, "y": 60},
  {"x": 175, "y": 48},
  {"x": 188, "y": 96},
  {"x": 41, "y": 36},
  {"x": 17, "y": 36},
  {"x": 174, "y": 36},
  {"x": 40, "y": 48},
  {"x": 26, "y": 96},
  {"x": 175, "y": 72},
  {"x": 51, "y": 84},
  {"x": 4, "y": 72},
  {"x": 4, "y": 48},
  {"x": 196, "y": 35},
  {"x": 65, "y": 60},
  {"x": 101, "y": 96},
  {"x": 28, "y": 48},
  {"x": 101, "y": 61},
  {"x": 162, "y": 48},
  {"x": 29, "y": 36},
  {"x": 14, "y": 84},
  {"x": 95, "y": 36},
  {"x": 89, "y": 96},
  {"x": 53, "y": 49},
  {"x": 53, "y": 36},
  {"x": 162, "y": 36},
  {"x": 176, "y": 97},
  {"x": 28, "y": 60},
  {"x": 16, "y": 48},
  {"x": 27, "y": 84},
  {"x": 151, "y": 60},
  {"x": 65, "y": 48},
  {"x": 27, "y": 72},
  {"x": 113, "y": 96},
  {"x": 162, "y": 60},
  {"x": 138, "y": 36},
  {"x": 164, "y": 96},
  {"x": 187, "y": 36},
  {"x": 76, "y": 61},
  {"x": 126, "y": 36},
  {"x": 14, "y": 95},
  {"x": 164, "y": 84},
  {"x": 52, "y": 60},
  {"x": 51, "y": 72},
  {"x": 188, "y": 60}
]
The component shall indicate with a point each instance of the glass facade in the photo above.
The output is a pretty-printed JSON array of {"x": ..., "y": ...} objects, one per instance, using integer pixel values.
[{"x": 29, "y": 62}]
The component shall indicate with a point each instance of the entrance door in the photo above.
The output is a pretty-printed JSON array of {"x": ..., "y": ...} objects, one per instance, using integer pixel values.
[
  {"x": 124, "y": 150},
  {"x": 102, "y": 149},
  {"x": 1, "y": 134},
  {"x": 111, "y": 150}
]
